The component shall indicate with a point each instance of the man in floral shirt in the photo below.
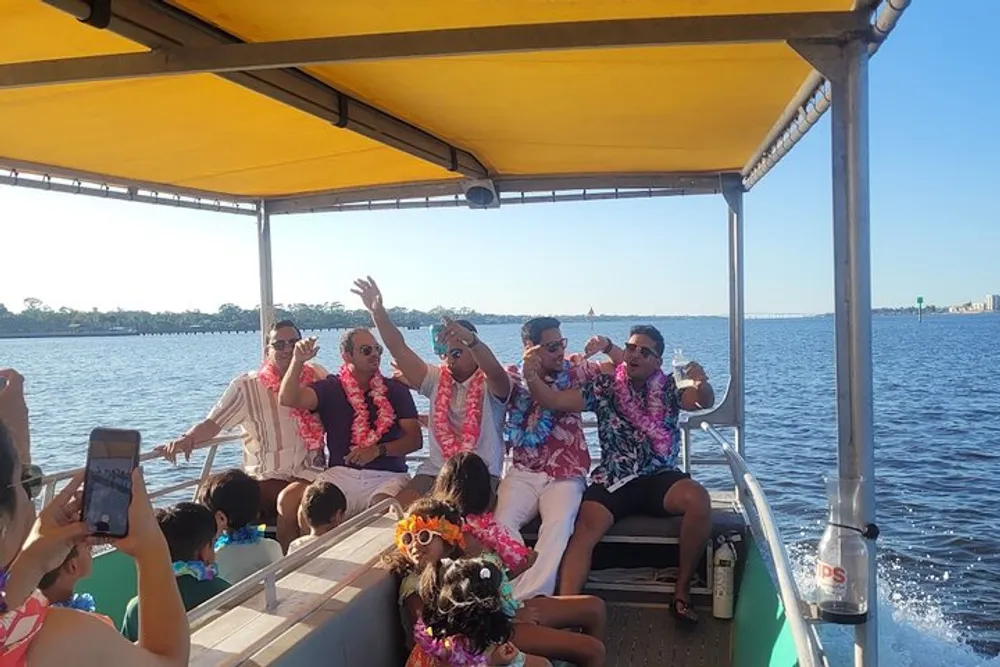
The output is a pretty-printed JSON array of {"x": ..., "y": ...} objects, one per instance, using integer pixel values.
[
  {"x": 637, "y": 409},
  {"x": 551, "y": 461}
]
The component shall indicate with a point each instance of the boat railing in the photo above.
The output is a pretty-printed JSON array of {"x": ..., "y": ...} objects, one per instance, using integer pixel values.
[
  {"x": 762, "y": 523},
  {"x": 268, "y": 577}
]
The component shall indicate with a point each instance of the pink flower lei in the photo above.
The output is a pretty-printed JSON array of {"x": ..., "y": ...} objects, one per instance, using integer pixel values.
[
  {"x": 648, "y": 418},
  {"x": 452, "y": 651},
  {"x": 496, "y": 538},
  {"x": 450, "y": 442},
  {"x": 309, "y": 426},
  {"x": 362, "y": 433}
]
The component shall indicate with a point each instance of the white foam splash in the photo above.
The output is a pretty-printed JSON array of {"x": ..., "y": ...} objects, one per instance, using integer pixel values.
[{"x": 913, "y": 629}]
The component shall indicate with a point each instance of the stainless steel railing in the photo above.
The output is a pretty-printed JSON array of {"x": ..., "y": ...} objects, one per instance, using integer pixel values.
[{"x": 761, "y": 519}]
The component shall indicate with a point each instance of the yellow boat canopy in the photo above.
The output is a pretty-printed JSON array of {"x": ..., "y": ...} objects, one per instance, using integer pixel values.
[{"x": 314, "y": 104}]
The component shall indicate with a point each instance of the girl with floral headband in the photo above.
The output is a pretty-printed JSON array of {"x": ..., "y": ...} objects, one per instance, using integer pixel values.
[
  {"x": 430, "y": 531},
  {"x": 544, "y": 625},
  {"x": 467, "y": 617}
]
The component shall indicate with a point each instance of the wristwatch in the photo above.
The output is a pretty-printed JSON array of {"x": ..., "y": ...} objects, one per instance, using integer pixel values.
[
  {"x": 608, "y": 347},
  {"x": 475, "y": 341},
  {"x": 381, "y": 449}
]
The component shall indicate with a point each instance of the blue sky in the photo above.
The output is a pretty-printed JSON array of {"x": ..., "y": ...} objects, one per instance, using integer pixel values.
[{"x": 935, "y": 223}]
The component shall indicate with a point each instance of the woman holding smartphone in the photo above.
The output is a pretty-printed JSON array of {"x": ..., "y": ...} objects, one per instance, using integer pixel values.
[{"x": 33, "y": 633}]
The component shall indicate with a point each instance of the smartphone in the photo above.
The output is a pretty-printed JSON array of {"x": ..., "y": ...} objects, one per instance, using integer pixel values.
[
  {"x": 440, "y": 348},
  {"x": 107, "y": 484}
]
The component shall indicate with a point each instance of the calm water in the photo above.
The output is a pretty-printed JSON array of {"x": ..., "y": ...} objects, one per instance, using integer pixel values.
[{"x": 937, "y": 436}]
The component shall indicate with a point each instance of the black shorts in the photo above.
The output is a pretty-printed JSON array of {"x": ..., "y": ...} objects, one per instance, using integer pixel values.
[{"x": 643, "y": 495}]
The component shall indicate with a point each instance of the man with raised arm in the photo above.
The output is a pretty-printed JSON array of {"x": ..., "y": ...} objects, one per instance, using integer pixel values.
[
  {"x": 280, "y": 445},
  {"x": 468, "y": 393},
  {"x": 637, "y": 408},
  {"x": 370, "y": 421},
  {"x": 551, "y": 460}
]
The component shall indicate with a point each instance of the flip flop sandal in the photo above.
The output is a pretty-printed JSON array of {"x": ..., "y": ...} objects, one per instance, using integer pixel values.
[{"x": 684, "y": 613}]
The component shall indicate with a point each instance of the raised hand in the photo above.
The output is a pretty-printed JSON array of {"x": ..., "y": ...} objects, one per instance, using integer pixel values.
[
  {"x": 305, "y": 350},
  {"x": 454, "y": 334},
  {"x": 371, "y": 295},
  {"x": 532, "y": 366},
  {"x": 144, "y": 534},
  {"x": 14, "y": 411},
  {"x": 694, "y": 371},
  {"x": 57, "y": 529},
  {"x": 595, "y": 345}
]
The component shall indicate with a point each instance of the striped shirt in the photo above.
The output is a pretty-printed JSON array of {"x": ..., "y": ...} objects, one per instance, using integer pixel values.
[{"x": 272, "y": 446}]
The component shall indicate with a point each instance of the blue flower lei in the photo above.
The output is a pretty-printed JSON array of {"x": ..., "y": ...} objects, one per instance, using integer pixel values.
[
  {"x": 79, "y": 601},
  {"x": 245, "y": 535},
  {"x": 196, "y": 569},
  {"x": 517, "y": 416}
]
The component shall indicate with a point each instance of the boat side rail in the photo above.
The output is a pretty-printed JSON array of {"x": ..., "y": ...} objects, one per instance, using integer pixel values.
[
  {"x": 268, "y": 576},
  {"x": 762, "y": 523}
]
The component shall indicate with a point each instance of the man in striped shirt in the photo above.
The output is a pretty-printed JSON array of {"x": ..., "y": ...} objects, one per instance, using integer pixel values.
[{"x": 274, "y": 451}]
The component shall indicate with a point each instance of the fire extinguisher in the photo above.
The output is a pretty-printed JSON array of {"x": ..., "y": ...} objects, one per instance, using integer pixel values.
[{"x": 724, "y": 577}]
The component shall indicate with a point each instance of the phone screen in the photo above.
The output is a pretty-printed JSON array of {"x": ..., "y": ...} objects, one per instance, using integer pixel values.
[
  {"x": 440, "y": 348},
  {"x": 107, "y": 486}
]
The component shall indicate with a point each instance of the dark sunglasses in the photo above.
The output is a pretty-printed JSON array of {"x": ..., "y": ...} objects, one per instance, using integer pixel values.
[
  {"x": 641, "y": 349},
  {"x": 368, "y": 350},
  {"x": 31, "y": 480},
  {"x": 555, "y": 346},
  {"x": 280, "y": 345}
]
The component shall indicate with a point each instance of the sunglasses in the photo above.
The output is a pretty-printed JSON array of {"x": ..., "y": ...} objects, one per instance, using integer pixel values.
[
  {"x": 641, "y": 349},
  {"x": 368, "y": 350},
  {"x": 31, "y": 480},
  {"x": 281, "y": 345},
  {"x": 555, "y": 346},
  {"x": 421, "y": 537}
]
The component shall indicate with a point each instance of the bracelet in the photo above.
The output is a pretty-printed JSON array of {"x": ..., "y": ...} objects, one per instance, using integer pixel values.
[
  {"x": 608, "y": 347},
  {"x": 4, "y": 578},
  {"x": 475, "y": 341}
]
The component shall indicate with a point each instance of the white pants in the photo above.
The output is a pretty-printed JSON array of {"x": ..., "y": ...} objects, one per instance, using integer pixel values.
[
  {"x": 361, "y": 486},
  {"x": 523, "y": 495}
]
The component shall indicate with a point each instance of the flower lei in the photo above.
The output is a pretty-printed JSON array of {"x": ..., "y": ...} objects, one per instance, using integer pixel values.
[
  {"x": 246, "y": 535},
  {"x": 452, "y": 651},
  {"x": 443, "y": 528},
  {"x": 648, "y": 418},
  {"x": 362, "y": 433},
  {"x": 310, "y": 427},
  {"x": 80, "y": 602},
  {"x": 449, "y": 442},
  {"x": 525, "y": 429},
  {"x": 196, "y": 569},
  {"x": 494, "y": 537}
]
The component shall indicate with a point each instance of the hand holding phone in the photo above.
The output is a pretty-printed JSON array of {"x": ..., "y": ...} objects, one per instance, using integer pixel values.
[
  {"x": 107, "y": 485},
  {"x": 440, "y": 347}
]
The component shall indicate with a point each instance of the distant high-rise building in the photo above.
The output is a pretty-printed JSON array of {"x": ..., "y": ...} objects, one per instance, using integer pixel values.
[{"x": 992, "y": 302}]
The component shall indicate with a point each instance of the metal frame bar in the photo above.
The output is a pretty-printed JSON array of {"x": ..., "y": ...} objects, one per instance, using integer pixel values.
[
  {"x": 536, "y": 38},
  {"x": 162, "y": 27},
  {"x": 266, "y": 272}
]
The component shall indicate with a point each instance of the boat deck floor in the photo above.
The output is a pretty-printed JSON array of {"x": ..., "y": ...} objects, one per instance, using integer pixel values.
[{"x": 641, "y": 635}]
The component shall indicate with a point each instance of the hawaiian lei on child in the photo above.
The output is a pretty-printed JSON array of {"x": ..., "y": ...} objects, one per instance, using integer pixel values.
[
  {"x": 648, "y": 418},
  {"x": 528, "y": 425},
  {"x": 362, "y": 432},
  {"x": 497, "y": 539},
  {"x": 448, "y": 440},
  {"x": 245, "y": 535},
  {"x": 196, "y": 569},
  {"x": 310, "y": 427}
]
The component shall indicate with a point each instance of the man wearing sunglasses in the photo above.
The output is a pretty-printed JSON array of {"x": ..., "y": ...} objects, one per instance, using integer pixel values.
[
  {"x": 637, "y": 409},
  {"x": 468, "y": 368},
  {"x": 274, "y": 450}
]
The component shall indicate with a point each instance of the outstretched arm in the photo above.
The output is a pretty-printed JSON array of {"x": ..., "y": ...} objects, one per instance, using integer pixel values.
[
  {"x": 566, "y": 400},
  {"x": 454, "y": 334},
  {"x": 603, "y": 345},
  {"x": 701, "y": 396},
  {"x": 409, "y": 363},
  {"x": 291, "y": 393}
]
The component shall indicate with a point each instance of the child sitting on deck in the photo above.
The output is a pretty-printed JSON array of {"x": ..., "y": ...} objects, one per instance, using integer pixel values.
[
  {"x": 322, "y": 510},
  {"x": 467, "y": 617},
  {"x": 189, "y": 529},
  {"x": 545, "y": 626},
  {"x": 241, "y": 549}
]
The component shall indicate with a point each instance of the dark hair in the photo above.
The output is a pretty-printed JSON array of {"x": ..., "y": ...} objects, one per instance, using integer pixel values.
[
  {"x": 235, "y": 494},
  {"x": 188, "y": 527},
  {"x": 652, "y": 332},
  {"x": 531, "y": 331},
  {"x": 460, "y": 601},
  {"x": 347, "y": 340},
  {"x": 8, "y": 462},
  {"x": 321, "y": 502},
  {"x": 283, "y": 324},
  {"x": 468, "y": 325},
  {"x": 49, "y": 578},
  {"x": 464, "y": 481},
  {"x": 429, "y": 508}
]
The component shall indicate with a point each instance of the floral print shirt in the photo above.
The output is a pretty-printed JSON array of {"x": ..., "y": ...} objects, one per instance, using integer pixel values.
[{"x": 625, "y": 450}]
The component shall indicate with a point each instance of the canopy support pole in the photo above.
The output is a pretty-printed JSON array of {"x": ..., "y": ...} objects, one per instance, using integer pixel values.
[
  {"x": 732, "y": 190},
  {"x": 266, "y": 273},
  {"x": 846, "y": 66}
]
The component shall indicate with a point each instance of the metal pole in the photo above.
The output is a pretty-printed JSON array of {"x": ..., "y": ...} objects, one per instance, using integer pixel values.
[
  {"x": 852, "y": 286},
  {"x": 733, "y": 191},
  {"x": 266, "y": 274}
]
